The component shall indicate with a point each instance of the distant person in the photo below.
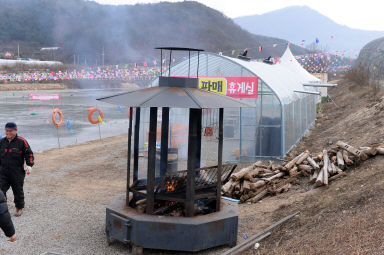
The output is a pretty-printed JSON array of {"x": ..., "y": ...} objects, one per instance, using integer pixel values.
[
  {"x": 245, "y": 52},
  {"x": 6, "y": 223},
  {"x": 14, "y": 150}
]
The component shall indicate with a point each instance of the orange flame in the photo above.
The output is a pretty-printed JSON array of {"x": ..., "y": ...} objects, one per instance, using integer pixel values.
[{"x": 171, "y": 185}]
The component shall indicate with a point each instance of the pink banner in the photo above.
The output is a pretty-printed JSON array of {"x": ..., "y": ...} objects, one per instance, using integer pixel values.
[
  {"x": 242, "y": 87},
  {"x": 43, "y": 97}
]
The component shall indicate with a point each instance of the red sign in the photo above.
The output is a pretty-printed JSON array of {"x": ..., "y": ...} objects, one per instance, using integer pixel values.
[
  {"x": 237, "y": 87},
  {"x": 242, "y": 87},
  {"x": 43, "y": 97}
]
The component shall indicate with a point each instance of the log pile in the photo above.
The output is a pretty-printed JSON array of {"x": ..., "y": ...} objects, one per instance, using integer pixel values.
[{"x": 260, "y": 179}]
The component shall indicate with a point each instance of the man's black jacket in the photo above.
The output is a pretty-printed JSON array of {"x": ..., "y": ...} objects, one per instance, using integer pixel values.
[{"x": 13, "y": 154}]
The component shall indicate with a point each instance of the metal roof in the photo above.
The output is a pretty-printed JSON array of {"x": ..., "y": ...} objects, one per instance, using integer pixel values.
[
  {"x": 174, "y": 97},
  {"x": 178, "y": 48}
]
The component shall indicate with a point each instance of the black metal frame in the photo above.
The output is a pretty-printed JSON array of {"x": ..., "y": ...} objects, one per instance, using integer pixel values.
[{"x": 194, "y": 155}]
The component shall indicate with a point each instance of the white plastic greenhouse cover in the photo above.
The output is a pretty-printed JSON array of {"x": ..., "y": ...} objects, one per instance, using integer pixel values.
[{"x": 283, "y": 78}]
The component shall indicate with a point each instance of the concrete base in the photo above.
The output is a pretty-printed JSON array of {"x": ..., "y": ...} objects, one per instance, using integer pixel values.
[{"x": 197, "y": 233}]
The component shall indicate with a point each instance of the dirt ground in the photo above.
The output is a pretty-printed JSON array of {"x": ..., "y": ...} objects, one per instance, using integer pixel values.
[
  {"x": 94, "y": 171},
  {"x": 31, "y": 86},
  {"x": 345, "y": 218}
]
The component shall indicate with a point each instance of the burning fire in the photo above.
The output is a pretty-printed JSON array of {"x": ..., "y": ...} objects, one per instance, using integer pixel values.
[{"x": 171, "y": 185}]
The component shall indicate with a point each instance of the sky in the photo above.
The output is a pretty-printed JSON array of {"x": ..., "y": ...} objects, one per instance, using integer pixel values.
[{"x": 365, "y": 14}]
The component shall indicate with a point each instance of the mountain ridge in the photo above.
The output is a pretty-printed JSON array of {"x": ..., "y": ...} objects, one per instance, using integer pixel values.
[
  {"x": 297, "y": 23},
  {"x": 126, "y": 33}
]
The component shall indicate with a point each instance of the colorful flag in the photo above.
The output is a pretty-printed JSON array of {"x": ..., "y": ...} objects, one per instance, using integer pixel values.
[
  {"x": 100, "y": 120},
  {"x": 233, "y": 52},
  {"x": 70, "y": 127}
]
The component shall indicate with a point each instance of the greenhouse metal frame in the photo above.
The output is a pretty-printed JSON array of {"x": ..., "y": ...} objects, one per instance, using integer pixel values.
[{"x": 285, "y": 110}]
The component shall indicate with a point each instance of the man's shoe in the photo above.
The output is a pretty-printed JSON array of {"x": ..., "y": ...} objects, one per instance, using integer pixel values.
[{"x": 18, "y": 212}]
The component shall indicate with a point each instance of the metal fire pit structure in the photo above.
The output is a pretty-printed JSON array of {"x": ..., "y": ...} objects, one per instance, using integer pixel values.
[{"x": 190, "y": 232}]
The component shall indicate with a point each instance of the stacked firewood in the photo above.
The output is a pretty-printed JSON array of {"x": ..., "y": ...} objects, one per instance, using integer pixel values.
[{"x": 268, "y": 178}]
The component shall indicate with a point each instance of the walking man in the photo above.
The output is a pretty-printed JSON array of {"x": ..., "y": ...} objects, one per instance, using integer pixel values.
[{"x": 14, "y": 150}]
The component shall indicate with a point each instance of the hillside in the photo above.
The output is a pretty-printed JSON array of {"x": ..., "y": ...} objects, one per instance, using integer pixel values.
[
  {"x": 299, "y": 23},
  {"x": 345, "y": 217},
  {"x": 127, "y": 33}
]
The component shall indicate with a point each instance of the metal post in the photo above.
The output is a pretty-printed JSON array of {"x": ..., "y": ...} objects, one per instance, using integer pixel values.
[
  {"x": 170, "y": 59},
  {"x": 151, "y": 160},
  {"x": 198, "y": 62},
  {"x": 161, "y": 62},
  {"x": 300, "y": 118},
  {"x": 241, "y": 134},
  {"x": 98, "y": 124},
  {"x": 191, "y": 173},
  {"x": 219, "y": 159},
  {"x": 136, "y": 146},
  {"x": 282, "y": 126},
  {"x": 306, "y": 113},
  {"x": 261, "y": 128},
  {"x": 189, "y": 61},
  {"x": 129, "y": 155},
  {"x": 198, "y": 139},
  {"x": 164, "y": 141},
  {"x": 58, "y": 138}
]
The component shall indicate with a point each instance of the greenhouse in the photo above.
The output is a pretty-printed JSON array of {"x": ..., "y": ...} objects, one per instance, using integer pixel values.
[
  {"x": 371, "y": 59},
  {"x": 285, "y": 108}
]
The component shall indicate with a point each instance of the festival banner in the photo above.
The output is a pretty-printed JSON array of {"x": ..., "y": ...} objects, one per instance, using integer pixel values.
[
  {"x": 237, "y": 87},
  {"x": 214, "y": 84},
  {"x": 43, "y": 97},
  {"x": 242, "y": 87}
]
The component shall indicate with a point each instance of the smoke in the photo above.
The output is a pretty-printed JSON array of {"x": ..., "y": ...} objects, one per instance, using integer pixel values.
[
  {"x": 90, "y": 33},
  {"x": 125, "y": 34}
]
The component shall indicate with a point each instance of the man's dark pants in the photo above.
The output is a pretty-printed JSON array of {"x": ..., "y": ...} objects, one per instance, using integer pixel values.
[{"x": 15, "y": 180}]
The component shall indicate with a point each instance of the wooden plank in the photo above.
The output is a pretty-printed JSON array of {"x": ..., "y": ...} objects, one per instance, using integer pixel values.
[
  {"x": 340, "y": 160},
  {"x": 358, "y": 153}
]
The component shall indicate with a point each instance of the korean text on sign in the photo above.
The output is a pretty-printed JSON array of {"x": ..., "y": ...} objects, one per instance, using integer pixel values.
[
  {"x": 242, "y": 87},
  {"x": 43, "y": 97},
  {"x": 218, "y": 85}
]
